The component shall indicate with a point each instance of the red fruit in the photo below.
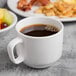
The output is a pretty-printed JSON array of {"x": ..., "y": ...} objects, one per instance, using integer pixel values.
[{"x": 4, "y": 25}]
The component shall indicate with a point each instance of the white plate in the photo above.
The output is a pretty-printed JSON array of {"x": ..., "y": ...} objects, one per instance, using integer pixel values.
[{"x": 12, "y": 4}]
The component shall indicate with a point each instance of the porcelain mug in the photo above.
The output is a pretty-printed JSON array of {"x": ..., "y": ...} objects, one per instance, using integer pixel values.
[{"x": 37, "y": 52}]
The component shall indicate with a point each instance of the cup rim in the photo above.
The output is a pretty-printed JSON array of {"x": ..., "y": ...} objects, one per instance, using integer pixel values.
[
  {"x": 12, "y": 25},
  {"x": 62, "y": 27}
]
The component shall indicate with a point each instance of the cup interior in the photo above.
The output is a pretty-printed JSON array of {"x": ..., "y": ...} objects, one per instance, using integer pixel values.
[{"x": 38, "y": 20}]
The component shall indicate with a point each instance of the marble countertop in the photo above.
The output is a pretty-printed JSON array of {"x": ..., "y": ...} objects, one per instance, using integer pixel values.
[{"x": 65, "y": 66}]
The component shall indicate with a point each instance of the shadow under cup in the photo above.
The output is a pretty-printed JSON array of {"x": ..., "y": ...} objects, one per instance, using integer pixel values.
[{"x": 39, "y": 52}]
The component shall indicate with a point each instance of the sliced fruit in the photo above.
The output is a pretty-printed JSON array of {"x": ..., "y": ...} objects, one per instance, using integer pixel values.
[
  {"x": 5, "y": 16},
  {"x": 8, "y": 18},
  {"x": 1, "y": 13},
  {"x": 70, "y": 1},
  {"x": 4, "y": 25}
]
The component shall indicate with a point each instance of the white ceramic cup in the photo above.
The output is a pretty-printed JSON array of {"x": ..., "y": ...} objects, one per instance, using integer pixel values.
[{"x": 37, "y": 52}]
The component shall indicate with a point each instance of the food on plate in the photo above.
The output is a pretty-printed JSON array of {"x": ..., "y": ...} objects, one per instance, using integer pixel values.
[
  {"x": 44, "y": 2},
  {"x": 70, "y": 1},
  {"x": 58, "y": 8},
  {"x": 24, "y": 5},
  {"x": 6, "y": 18}
]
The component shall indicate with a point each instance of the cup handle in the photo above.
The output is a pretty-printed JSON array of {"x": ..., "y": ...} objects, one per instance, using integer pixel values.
[{"x": 10, "y": 49}]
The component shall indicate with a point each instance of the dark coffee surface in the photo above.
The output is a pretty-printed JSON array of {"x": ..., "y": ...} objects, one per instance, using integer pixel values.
[{"x": 39, "y": 30}]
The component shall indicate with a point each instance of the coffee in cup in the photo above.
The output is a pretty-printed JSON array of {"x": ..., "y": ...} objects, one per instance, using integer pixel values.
[{"x": 39, "y": 30}]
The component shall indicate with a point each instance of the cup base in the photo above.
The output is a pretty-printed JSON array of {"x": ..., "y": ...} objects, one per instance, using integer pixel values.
[{"x": 40, "y": 66}]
